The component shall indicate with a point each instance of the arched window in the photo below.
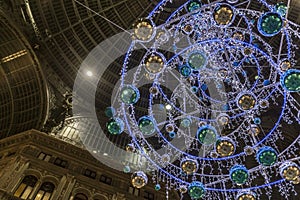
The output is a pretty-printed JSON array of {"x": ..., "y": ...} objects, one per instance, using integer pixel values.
[
  {"x": 45, "y": 191},
  {"x": 80, "y": 196},
  {"x": 26, "y": 187}
]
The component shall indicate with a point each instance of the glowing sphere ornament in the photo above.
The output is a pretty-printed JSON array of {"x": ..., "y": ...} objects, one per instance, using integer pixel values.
[
  {"x": 129, "y": 94},
  {"x": 270, "y": 24},
  {"x": 193, "y": 5},
  {"x": 289, "y": 171},
  {"x": 183, "y": 189},
  {"x": 239, "y": 174},
  {"x": 248, "y": 150},
  {"x": 248, "y": 195},
  {"x": 153, "y": 90},
  {"x": 254, "y": 130},
  {"x": 225, "y": 146},
  {"x": 207, "y": 135},
  {"x": 266, "y": 82},
  {"x": 165, "y": 158},
  {"x": 189, "y": 166},
  {"x": 139, "y": 179},
  {"x": 266, "y": 156},
  {"x": 223, "y": 119},
  {"x": 130, "y": 147},
  {"x": 281, "y": 9},
  {"x": 143, "y": 30},
  {"x": 185, "y": 70},
  {"x": 238, "y": 36},
  {"x": 247, "y": 51},
  {"x": 197, "y": 60},
  {"x": 246, "y": 101},
  {"x": 264, "y": 103},
  {"x": 172, "y": 134},
  {"x": 196, "y": 190},
  {"x": 170, "y": 128},
  {"x": 146, "y": 125},
  {"x": 186, "y": 122},
  {"x": 222, "y": 73},
  {"x": 223, "y": 14},
  {"x": 291, "y": 80},
  {"x": 187, "y": 29},
  {"x": 285, "y": 65},
  {"x": 257, "y": 120},
  {"x": 115, "y": 126},
  {"x": 110, "y": 112},
  {"x": 126, "y": 169},
  {"x": 155, "y": 63},
  {"x": 157, "y": 187}
]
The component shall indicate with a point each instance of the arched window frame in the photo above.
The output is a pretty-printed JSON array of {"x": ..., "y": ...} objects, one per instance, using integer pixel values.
[
  {"x": 26, "y": 187},
  {"x": 45, "y": 191},
  {"x": 80, "y": 196},
  {"x": 100, "y": 197}
]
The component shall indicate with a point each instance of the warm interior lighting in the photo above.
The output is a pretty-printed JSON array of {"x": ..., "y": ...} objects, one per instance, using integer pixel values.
[
  {"x": 89, "y": 73},
  {"x": 14, "y": 56}
]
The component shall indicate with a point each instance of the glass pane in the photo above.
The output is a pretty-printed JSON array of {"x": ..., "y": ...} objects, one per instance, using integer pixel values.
[
  {"x": 27, "y": 192},
  {"x": 39, "y": 196},
  {"x": 20, "y": 190},
  {"x": 47, "y": 158},
  {"x": 47, "y": 196},
  {"x": 41, "y": 156}
]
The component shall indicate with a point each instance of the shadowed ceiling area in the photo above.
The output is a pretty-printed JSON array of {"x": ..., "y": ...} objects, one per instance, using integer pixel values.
[{"x": 23, "y": 90}]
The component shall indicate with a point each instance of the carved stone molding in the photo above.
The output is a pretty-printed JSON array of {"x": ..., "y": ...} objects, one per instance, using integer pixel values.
[{"x": 118, "y": 196}]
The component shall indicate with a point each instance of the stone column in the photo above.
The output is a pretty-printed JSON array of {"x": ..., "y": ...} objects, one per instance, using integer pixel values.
[
  {"x": 71, "y": 184},
  {"x": 24, "y": 164},
  {"x": 35, "y": 189},
  {"x": 59, "y": 192}
]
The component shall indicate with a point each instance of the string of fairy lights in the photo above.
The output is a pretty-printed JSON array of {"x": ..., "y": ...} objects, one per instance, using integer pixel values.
[{"x": 215, "y": 73}]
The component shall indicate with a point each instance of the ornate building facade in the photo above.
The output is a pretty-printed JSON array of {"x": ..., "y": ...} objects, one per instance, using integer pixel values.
[{"x": 37, "y": 166}]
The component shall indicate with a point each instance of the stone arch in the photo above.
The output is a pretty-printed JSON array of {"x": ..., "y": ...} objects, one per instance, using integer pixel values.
[
  {"x": 50, "y": 178},
  {"x": 100, "y": 197},
  {"x": 81, "y": 190}
]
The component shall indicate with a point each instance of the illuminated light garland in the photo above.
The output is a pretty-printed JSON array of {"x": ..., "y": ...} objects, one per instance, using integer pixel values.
[{"x": 222, "y": 82}]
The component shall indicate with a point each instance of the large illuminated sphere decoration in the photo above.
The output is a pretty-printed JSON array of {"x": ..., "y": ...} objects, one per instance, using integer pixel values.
[
  {"x": 266, "y": 156},
  {"x": 248, "y": 195},
  {"x": 225, "y": 147},
  {"x": 115, "y": 126},
  {"x": 290, "y": 171},
  {"x": 223, "y": 14},
  {"x": 146, "y": 125},
  {"x": 209, "y": 98},
  {"x": 270, "y": 24},
  {"x": 139, "y": 179},
  {"x": 129, "y": 94},
  {"x": 291, "y": 80},
  {"x": 196, "y": 60},
  {"x": 189, "y": 166},
  {"x": 207, "y": 135},
  {"x": 196, "y": 190},
  {"x": 239, "y": 174}
]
